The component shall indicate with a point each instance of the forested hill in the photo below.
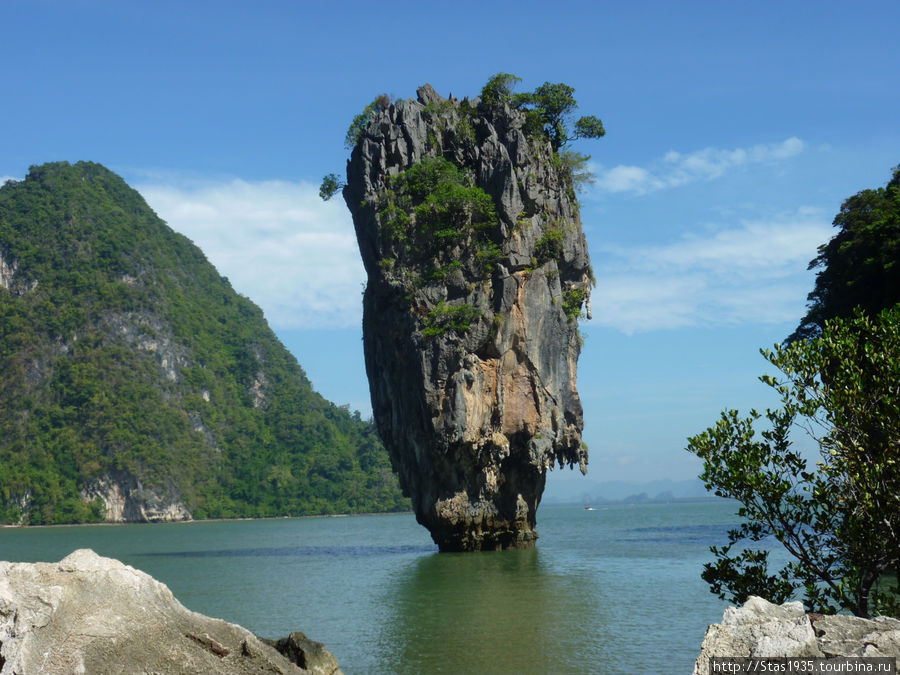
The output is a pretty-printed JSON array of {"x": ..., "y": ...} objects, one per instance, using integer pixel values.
[{"x": 135, "y": 384}]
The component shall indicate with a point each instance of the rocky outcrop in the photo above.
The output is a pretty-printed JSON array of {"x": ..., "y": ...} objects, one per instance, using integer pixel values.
[
  {"x": 7, "y": 273},
  {"x": 88, "y": 614},
  {"x": 308, "y": 654},
  {"x": 127, "y": 500},
  {"x": 9, "y": 279},
  {"x": 148, "y": 333},
  {"x": 762, "y": 629},
  {"x": 477, "y": 272}
]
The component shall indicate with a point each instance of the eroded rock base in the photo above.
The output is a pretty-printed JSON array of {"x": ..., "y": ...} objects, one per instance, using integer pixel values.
[{"x": 495, "y": 539}]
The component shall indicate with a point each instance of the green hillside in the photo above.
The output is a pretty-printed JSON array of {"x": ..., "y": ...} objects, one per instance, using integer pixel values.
[{"x": 126, "y": 359}]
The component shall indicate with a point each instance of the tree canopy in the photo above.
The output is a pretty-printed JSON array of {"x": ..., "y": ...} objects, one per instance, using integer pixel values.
[
  {"x": 499, "y": 89},
  {"x": 549, "y": 112},
  {"x": 860, "y": 265},
  {"x": 839, "y": 520},
  {"x": 549, "y": 109}
]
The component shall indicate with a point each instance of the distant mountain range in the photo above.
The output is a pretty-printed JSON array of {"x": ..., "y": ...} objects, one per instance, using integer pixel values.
[{"x": 586, "y": 491}]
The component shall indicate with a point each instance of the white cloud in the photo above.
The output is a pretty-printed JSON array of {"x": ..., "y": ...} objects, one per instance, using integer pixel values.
[
  {"x": 751, "y": 251},
  {"x": 676, "y": 169},
  {"x": 627, "y": 179},
  {"x": 297, "y": 258},
  {"x": 752, "y": 272},
  {"x": 277, "y": 242}
]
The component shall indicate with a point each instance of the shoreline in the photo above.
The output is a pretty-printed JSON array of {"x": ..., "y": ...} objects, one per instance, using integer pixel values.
[
  {"x": 8, "y": 526},
  {"x": 595, "y": 506}
]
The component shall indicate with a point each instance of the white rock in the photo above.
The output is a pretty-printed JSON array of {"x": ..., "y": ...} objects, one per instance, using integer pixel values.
[
  {"x": 89, "y": 614},
  {"x": 762, "y": 629}
]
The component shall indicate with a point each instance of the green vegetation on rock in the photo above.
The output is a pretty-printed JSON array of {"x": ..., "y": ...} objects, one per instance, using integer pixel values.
[
  {"x": 446, "y": 318},
  {"x": 438, "y": 199},
  {"x": 431, "y": 214},
  {"x": 573, "y": 299},
  {"x": 549, "y": 109},
  {"x": 549, "y": 246},
  {"x": 124, "y": 353},
  {"x": 361, "y": 121},
  {"x": 331, "y": 183}
]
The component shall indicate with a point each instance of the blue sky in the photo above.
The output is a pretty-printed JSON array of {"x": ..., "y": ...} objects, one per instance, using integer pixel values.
[{"x": 734, "y": 132}]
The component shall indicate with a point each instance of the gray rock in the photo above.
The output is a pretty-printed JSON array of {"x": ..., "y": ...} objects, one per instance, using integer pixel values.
[
  {"x": 762, "y": 629},
  {"x": 308, "y": 654},
  {"x": 89, "y": 614},
  {"x": 473, "y": 419},
  {"x": 426, "y": 94},
  {"x": 127, "y": 499},
  {"x": 853, "y": 636}
]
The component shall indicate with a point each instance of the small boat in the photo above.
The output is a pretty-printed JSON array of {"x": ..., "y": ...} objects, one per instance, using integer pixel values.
[{"x": 588, "y": 508}]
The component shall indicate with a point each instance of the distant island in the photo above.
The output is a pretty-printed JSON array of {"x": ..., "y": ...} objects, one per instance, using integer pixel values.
[
  {"x": 594, "y": 493},
  {"x": 137, "y": 385}
]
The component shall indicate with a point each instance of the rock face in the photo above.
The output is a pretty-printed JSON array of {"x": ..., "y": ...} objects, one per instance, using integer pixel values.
[
  {"x": 761, "y": 629},
  {"x": 477, "y": 272},
  {"x": 127, "y": 500},
  {"x": 308, "y": 654},
  {"x": 88, "y": 614}
]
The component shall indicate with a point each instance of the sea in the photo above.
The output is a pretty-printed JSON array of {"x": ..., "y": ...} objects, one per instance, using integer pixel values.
[{"x": 611, "y": 589}]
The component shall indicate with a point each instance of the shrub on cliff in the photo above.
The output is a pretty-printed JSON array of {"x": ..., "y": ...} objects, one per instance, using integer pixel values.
[
  {"x": 549, "y": 109},
  {"x": 331, "y": 183},
  {"x": 361, "y": 121}
]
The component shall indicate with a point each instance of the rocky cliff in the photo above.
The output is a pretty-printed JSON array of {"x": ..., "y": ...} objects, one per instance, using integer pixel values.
[
  {"x": 89, "y": 614},
  {"x": 478, "y": 270},
  {"x": 127, "y": 500}
]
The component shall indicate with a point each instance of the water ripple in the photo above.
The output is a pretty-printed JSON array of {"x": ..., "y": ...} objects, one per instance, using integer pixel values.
[
  {"x": 297, "y": 552},
  {"x": 686, "y": 534}
]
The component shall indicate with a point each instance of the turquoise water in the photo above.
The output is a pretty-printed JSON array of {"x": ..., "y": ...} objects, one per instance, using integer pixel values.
[{"x": 613, "y": 590}]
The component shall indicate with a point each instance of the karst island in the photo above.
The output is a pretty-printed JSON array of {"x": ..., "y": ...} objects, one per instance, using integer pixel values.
[{"x": 478, "y": 270}]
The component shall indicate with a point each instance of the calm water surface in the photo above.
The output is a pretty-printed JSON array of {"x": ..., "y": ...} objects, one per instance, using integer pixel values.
[{"x": 613, "y": 590}]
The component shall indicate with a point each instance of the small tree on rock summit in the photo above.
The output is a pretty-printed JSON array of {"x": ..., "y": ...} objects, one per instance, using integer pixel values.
[{"x": 549, "y": 108}]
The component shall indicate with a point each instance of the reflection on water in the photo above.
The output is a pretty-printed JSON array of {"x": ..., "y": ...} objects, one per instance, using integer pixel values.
[{"x": 498, "y": 612}]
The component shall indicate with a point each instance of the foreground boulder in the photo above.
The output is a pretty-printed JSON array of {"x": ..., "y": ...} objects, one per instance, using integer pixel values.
[
  {"x": 309, "y": 654},
  {"x": 478, "y": 270},
  {"x": 762, "y": 629},
  {"x": 89, "y": 614}
]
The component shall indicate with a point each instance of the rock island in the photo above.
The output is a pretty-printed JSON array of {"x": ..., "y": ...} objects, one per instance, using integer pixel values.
[{"x": 478, "y": 270}]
